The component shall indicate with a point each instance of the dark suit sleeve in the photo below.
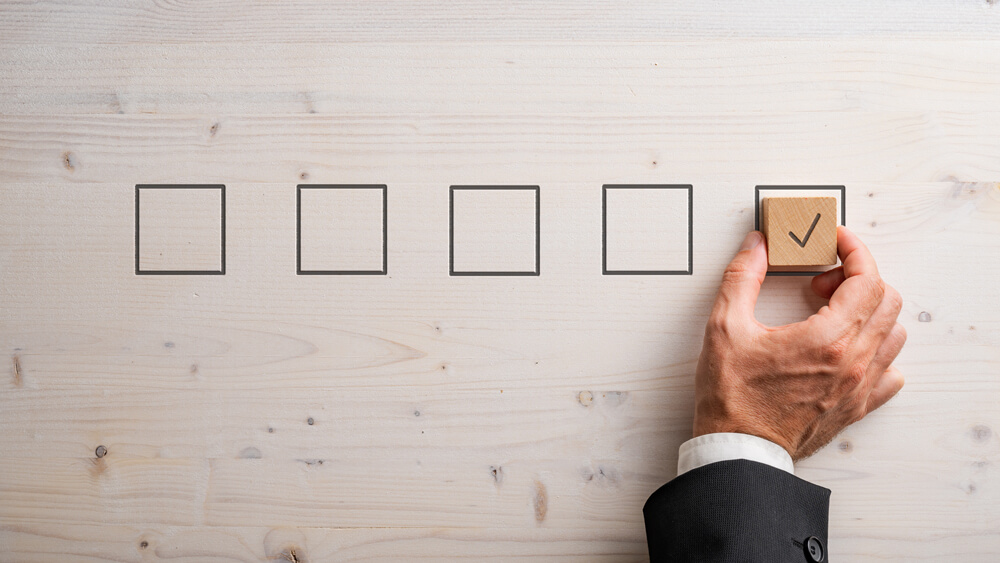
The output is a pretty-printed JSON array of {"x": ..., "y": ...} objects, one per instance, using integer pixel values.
[{"x": 737, "y": 510}]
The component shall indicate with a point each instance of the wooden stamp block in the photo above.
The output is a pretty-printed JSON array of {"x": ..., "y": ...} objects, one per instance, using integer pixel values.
[{"x": 800, "y": 231}]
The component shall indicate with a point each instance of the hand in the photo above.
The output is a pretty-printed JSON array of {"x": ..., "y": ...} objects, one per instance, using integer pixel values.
[{"x": 799, "y": 385}]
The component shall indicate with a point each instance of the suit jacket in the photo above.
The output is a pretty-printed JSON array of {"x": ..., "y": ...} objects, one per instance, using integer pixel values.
[{"x": 737, "y": 510}]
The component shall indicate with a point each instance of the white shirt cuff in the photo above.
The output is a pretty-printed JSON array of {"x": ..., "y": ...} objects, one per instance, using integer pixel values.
[{"x": 724, "y": 446}]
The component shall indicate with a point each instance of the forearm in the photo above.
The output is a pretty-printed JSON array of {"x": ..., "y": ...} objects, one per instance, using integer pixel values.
[{"x": 737, "y": 510}]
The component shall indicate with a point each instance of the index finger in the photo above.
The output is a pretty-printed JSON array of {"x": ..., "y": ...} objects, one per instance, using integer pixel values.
[
  {"x": 854, "y": 254},
  {"x": 862, "y": 289}
]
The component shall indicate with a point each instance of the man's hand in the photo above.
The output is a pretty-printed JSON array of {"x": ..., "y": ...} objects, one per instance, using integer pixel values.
[{"x": 799, "y": 385}]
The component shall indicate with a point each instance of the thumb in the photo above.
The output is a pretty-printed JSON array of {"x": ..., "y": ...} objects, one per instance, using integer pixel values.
[{"x": 742, "y": 279}]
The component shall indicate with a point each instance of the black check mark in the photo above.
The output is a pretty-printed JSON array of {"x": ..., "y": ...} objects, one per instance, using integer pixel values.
[{"x": 802, "y": 243}]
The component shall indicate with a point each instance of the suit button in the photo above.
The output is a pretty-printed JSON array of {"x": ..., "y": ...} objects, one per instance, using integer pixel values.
[{"x": 814, "y": 549}]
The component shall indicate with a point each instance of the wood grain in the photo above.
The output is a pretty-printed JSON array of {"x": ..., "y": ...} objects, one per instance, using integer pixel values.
[
  {"x": 314, "y": 21},
  {"x": 36, "y": 543},
  {"x": 748, "y": 148},
  {"x": 261, "y": 415},
  {"x": 727, "y": 76}
]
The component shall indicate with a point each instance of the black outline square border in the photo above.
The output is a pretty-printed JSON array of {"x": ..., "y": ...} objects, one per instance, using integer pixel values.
[
  {"x": 756, "y": 215},
  {"x": 222, "y": 190},
  {"x": 298, "y": 230},
  {"x": 451, "y": 231},
  {"x": 604, "y": 229}
]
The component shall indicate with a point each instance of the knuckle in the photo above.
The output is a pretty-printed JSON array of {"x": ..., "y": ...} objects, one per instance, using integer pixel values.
[
  {"x": 858, "y": 412},
  {"x": 900, "y": 332},
  {"x": 826, "y": 404},
  {"x": 719, "y": 333},
  {"x": 895, "y": 300},
  {"x": 871, "y": 288},
  {"x": 834, "y": 352},
  {"x": 717, "y": 324},
  {"x": 738, "y": 266},
  {"x": 736, "y": 273},
  {"x": 878, "y": 286},
  {"x": 875, "y": 287},
  {"x": 855, "y": 375}
]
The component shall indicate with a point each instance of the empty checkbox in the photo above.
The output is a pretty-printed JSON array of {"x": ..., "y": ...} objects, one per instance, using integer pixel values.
[
  {"x": 342, "y": 229},
  {"x": 180, "y": 229},
  {"x": 495, "y": 231},
  {"x": 647, "y": 229}
]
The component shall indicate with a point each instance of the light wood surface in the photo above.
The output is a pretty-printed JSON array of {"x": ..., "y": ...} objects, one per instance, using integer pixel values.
[{"x": 481, "y": 418}]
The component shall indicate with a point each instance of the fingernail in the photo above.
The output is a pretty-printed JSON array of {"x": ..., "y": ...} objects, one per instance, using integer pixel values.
[{"x": 752, "y": 240}]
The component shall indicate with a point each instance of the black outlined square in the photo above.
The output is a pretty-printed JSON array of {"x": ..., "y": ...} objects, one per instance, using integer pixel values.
[
  {"x": 354, "y": 202},
  {"x": 641, "y": 190},
  {"x": 159, "y": 226},
  {"x": 509, "y": 207},
  {"x": 789, "y": 191}
]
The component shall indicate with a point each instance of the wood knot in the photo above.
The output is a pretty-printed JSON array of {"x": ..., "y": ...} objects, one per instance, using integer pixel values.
[
  {"x": 585, "y": 398},
  {"x": 285, "y": 544},
  {"x": 101, "y": 451},
  {"x": 310, "y": 421},
  {"x": 924, "y": 317},
  {"x": 496, "y": 472},
  {"x": 540, "y": 501},
  {"x": 604, "y": 476},
  {"x": 69, "y": 161},
  {"x": 18, "y": 378},
  {"x": 981, "y": 433}
]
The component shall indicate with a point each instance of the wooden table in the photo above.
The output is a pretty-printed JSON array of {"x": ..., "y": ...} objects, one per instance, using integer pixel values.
[{"x": 262, "y": 415}]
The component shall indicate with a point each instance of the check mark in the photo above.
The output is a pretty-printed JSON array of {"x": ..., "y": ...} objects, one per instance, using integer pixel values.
[{"x": 802, "y": 243}]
